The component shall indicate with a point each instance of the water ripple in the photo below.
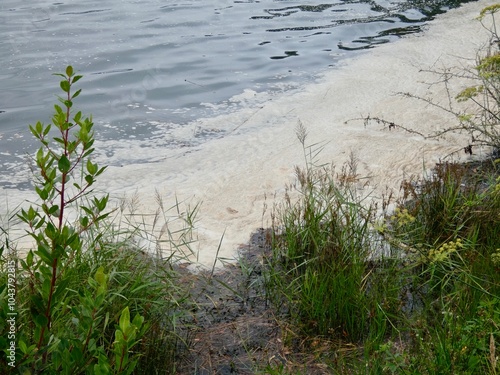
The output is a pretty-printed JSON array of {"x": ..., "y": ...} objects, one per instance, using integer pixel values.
[
  {"x": 185, "y": 59},
  {"x": 86, "y": 12}
]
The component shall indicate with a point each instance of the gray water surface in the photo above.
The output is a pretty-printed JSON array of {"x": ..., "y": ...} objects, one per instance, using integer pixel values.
[{"x": 169, "y": 62}]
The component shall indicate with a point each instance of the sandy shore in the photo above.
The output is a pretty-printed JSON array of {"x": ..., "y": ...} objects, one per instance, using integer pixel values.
[{"x": 236, "y": 178}]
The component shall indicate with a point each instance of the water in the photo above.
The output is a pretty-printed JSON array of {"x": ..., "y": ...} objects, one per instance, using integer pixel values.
[
  {"x": 205, "y": 116},
  {"x": 151, "y": 67}
]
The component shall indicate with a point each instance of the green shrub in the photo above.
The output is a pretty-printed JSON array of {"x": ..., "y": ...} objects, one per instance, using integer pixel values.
[
  {"x": 83, "y": 299},
  {"x": 448, "y": 226}
]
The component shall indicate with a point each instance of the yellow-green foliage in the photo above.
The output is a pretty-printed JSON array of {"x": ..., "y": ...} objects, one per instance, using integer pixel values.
[
  {"x": 495, "y": 258},
  {"x": 496, "y": 190},
  {"x": 444, "y": 252},
  {"x": 402, "y": 217},
  {"x": 469, "y": 93},
  {"x": 489, "y": 67},
  {"x": 492, "y": 9}
]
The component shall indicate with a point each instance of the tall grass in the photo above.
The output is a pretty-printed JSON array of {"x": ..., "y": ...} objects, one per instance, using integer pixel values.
[
  {"x": 428, "y": 302},
  {"x": 322, "y": 242},
  {"x": 147, "y": 284}
]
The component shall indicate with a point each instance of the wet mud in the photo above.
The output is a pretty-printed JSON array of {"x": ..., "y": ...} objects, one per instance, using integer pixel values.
[{"x": 234, "y": 330}]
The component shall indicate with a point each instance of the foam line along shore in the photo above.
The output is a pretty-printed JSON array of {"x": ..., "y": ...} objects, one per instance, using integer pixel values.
[{"x": 236, "y": 176}]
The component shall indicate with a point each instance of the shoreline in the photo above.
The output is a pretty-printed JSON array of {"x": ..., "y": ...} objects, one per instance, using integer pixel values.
[
  {"x": 261, "y": 162},
  {"x": 238, "y": 178}
]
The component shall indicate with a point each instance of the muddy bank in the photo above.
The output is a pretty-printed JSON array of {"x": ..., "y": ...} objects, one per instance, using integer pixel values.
[{"x": 234, "y": 329}]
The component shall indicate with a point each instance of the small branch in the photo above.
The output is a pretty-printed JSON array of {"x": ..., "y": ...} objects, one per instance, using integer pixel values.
[{"x": 389, "y": 124}]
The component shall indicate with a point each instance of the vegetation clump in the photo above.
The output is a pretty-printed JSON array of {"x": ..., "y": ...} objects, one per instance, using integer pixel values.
[
  {"x": 83, "y": 299},
  {"x": 418, "y": 293},
  {"x": 428, "y": 299}
]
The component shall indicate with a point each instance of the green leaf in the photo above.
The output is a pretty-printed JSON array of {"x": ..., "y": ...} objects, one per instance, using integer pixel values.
[
  {"x": 24, "y": 266},
  {"x": 138, "y": 320},
  {"x": 102, "y": 367},
  {"x": 87, "y": 147},
  {"x": 84, "y": 221},
  {"x": 50, "y": 231},
  {"x": 100, "y": 204},
  {"x": 46, "y": 286},
  {"x": 77, "y": 355},
  {"x": 100, "y": 276},
  {"x": 38, "y": 304},
  {"x": 65, "y": 125},
  {"x": 119, "y": 339},
  {"x": 23, "y": 216},
  {"x": 64, "y": 164},
  {"x": 69, "y": 70},
  {"x": 106, "y": 320},
  {"x": 41, "y": 320},
  {"x": 52, "y": 173},
  {"x": 47, "y": 130},
  {"x": 58, "y": 110},
  {"x": 40, "y": 223},
  {"x": 29, "y": 258},
  {"x": 62, "y": 288},
  {"x": 72, "y": 146},
  {"x": 101, "y": 170},
  {"x": 91, "y": 167},
  {"x": 83, "y": 135},
  {"x": 40, "y": 158},
  {"x": 125, "y": 319},
  {"x": 44, "y": 254},
  {"x": 88, "y": 210},
  {"x": 42, "y": 193},
  {"x": 39, "y": 127},
  {"x": 78, "y": 115},
  {"x": 130, "y": 333},
  {"x": 75, "y": 243},
  {"x": 67, "y": 231},
  {"x": 65, "y": 86},
  {"x": 33, "y": 131},
  {"x": 77, "y": 92},
  {"x": 54, "y": 210},
  {"x": 32, "y": 214},
  {"x": 102, "y": 217},
  {"x": 59, "y": 140},
  {"x": 22, "y": 345}
]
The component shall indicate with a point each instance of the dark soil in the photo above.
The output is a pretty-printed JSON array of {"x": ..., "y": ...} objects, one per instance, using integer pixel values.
[{"x": 234, "y": 329}]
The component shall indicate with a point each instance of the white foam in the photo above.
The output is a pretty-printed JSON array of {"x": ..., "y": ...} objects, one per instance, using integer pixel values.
[{"x": 236, "y": 176}]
